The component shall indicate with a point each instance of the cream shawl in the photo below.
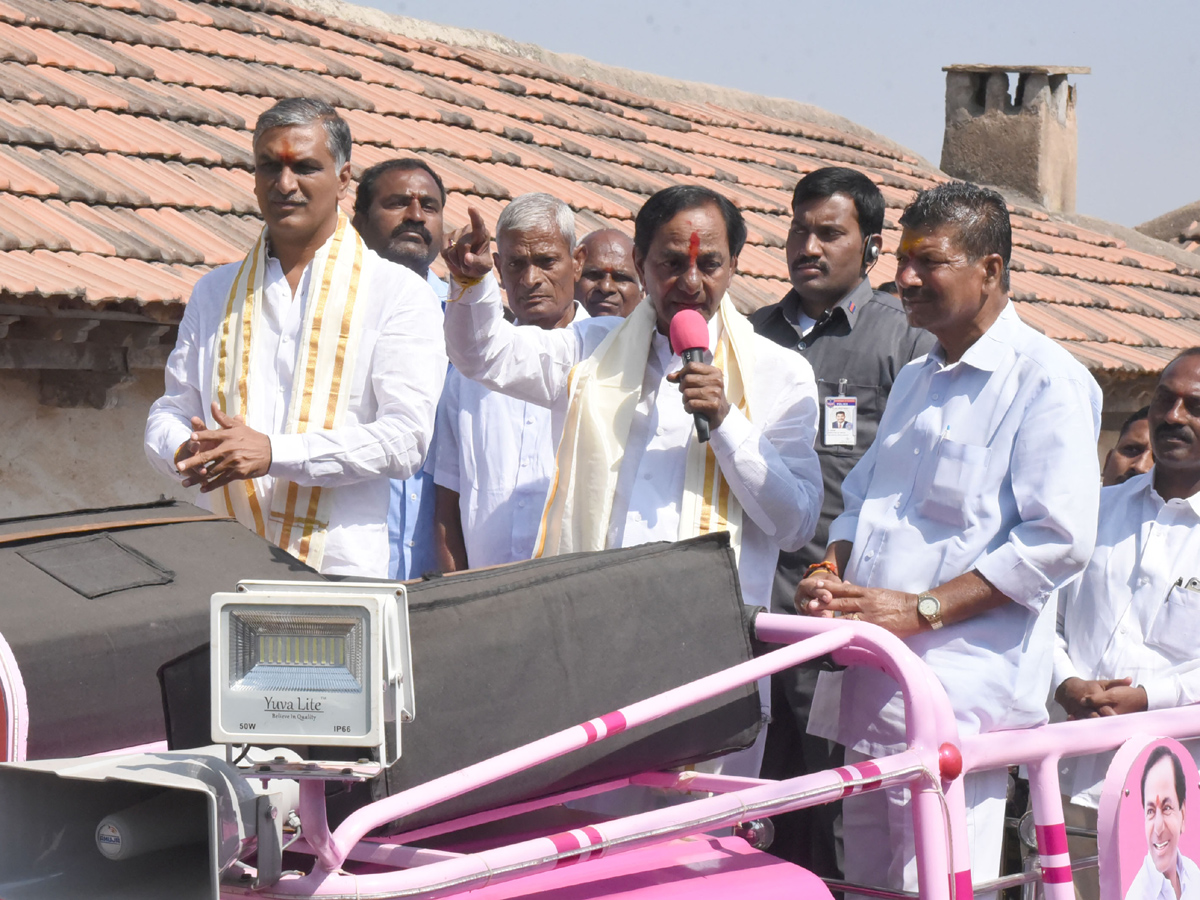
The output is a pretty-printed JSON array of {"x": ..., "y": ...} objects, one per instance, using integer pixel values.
[
  {"x": 603, "y": 392},
  {"x": 297, "y": 517}
]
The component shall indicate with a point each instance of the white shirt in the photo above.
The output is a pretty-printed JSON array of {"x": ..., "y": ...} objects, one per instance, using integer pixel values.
[
  {"x": 388, "y": 428},
  {"x": 1131, "y": 613},
  {"x": 769, "y": 464},
  {"x": 987, "y": 464},
  {"x": 1150, "y": 884},
  {"x": 497, "y": 454}
]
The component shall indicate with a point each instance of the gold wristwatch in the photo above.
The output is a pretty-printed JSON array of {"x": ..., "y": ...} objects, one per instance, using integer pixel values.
[{"x": 929, "y": 608}]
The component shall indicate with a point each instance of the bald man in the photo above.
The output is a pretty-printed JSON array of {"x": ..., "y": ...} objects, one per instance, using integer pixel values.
[{"x": 608, "y": 283}]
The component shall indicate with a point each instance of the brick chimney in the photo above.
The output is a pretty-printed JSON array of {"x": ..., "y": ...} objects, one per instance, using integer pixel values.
[{"x": 1026, "y": 141}]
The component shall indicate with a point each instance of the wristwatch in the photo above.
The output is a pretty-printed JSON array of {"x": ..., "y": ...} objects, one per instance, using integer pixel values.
[{"x": 929, "y": 608}]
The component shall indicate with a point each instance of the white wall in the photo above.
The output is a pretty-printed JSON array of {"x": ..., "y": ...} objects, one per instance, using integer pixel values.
[{"x": 56, "y": 460}]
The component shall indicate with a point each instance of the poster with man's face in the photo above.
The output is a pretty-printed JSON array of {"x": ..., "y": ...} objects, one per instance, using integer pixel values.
[{"x": 1157, "y": 849}]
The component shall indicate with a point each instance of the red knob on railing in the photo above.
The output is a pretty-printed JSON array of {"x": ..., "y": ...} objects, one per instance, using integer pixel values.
[{"x": 949, "y": 761}]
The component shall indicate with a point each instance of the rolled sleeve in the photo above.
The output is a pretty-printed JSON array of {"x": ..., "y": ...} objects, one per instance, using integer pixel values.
[
  {"x": 1162, "y": 692},
  {"x": 773, "y": 470},
  {"x": 1056, "y": 486}
]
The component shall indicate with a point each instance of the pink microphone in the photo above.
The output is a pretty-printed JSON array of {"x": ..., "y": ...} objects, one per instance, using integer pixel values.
[{"x": 689, "y": 339}]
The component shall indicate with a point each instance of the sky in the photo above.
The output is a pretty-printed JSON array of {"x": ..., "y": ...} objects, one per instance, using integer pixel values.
[{"x": 880, "y": 65}]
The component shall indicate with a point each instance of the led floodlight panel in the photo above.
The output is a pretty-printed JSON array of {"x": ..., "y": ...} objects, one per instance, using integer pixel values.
[{"x": 295, "y": 667}]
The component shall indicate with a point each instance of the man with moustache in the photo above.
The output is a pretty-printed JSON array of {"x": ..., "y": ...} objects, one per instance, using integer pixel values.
[
  {"x": 608, "y": 282},
  {"x": 1130, "y": 626},
  {"x": 495, "y": 456},
  {"x": 629, "y": 468},
  {"x": 1132, "y": 455},
  {"x": 857, "y": 341},
  {"x": 398, "y": 211},
  {"x": 307, "y": 375},
  {"x": 974, "y": 505}
]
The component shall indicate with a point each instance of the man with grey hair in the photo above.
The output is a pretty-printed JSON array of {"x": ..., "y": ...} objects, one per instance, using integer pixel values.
[
  {"x": 495, "y": 454},
  {"x": 306, "y": 375}
]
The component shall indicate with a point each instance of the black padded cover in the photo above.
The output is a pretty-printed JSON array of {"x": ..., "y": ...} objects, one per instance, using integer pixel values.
[
  {"x": 504, "y": 656},
  {"x": 89, "y": 663}
]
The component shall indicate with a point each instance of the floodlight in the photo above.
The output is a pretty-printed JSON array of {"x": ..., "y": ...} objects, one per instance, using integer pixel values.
[{"x": 321, "y": 664}]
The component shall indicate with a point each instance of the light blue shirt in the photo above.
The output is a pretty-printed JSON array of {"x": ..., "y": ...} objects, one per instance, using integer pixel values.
[
  {"x": 986, "y": 464},
  {"x": 410, "y": 507}
]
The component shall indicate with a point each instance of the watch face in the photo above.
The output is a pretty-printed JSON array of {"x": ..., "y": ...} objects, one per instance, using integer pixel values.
[{"x": 928, "y": 606}]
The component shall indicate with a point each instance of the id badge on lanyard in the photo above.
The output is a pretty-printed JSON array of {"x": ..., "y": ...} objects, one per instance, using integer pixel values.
[{"x": 841, "y": 418}]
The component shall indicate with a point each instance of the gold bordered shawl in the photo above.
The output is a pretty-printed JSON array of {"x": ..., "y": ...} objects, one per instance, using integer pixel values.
[
  {"x": 603, "y": 393},
  {"x": 298, "y": 517}
]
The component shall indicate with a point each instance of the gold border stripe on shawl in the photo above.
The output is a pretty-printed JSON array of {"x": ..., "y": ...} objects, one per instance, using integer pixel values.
[
  {"x": 310, "y": 524},
  {"x": 285, "y": 532},
  {"x": 343, "y": 339}
]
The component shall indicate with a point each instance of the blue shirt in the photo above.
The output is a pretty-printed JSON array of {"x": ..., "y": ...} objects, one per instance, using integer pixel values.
[{"x": 410, "y": 507}]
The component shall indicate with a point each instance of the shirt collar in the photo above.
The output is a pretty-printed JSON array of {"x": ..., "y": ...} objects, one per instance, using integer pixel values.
[
  {"x": 990, "y": 350},
  {"x": 1192, "y": 502},
  {"x": 850, "y": 305}
]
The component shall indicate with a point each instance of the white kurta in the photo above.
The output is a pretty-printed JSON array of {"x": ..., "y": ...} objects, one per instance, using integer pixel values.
[
  {"x": 1131, "y": 614},
  {"x": 769, "y": 464},
  {"x": 987, "y": 464},
  {"x": 401, "y": 365},
  {"x": 497, "y": 454}
]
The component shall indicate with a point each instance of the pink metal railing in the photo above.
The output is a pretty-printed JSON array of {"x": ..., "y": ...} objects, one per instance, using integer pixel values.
[{"x": 930, "y": 727}]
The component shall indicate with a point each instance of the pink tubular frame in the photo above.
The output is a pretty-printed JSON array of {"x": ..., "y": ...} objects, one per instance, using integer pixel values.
[
  {"x": 14, "y": 707},
  {"x": 943, "y": 857},
  {"x": 940, "y": 838}
]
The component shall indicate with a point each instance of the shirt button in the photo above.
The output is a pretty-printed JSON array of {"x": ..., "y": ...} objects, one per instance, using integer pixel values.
[
  {"x": 897, "y": 505},
  {"x": 412, "y": 496},
  {"x": 648, "y": 476},
  {"x": 412, "y": 543},
  {"x": 935, "y": 396},
  {"x": 524, "y": 463},
  {"x": 802, "y": 345},
  {"x": 529, "y": 421},
  {"x": 521, "y": 503},
  {"x": 916, "y": 451},
  {"x": 868, "y": 554}
]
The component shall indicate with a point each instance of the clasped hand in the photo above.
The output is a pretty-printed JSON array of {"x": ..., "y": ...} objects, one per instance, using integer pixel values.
[
  {"x": 212, "y": 458},
  {"x": 825, "y": 595},
  {"x": 1084, "y": 699}
]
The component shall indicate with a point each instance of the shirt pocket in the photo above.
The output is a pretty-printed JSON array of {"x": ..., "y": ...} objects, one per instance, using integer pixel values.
[
  {"x": 1175, "y": 629},
  {"x": 958, "y": 475}
]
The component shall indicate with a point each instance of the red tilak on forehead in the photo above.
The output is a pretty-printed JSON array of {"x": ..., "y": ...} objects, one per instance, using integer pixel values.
[
  {"x": 693, "y": 247},
  {"x": 286, "y": 155}
]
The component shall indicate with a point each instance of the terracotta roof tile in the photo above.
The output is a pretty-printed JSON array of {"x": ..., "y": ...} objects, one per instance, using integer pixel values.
[{"x": 125, "y": 160}]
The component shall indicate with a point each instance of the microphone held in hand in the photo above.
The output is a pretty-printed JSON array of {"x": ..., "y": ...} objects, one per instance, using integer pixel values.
[{"x": 689, "y": 338}]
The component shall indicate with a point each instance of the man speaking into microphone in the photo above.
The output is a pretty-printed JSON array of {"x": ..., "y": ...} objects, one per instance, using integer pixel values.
[{"x": 630, "y": 469}]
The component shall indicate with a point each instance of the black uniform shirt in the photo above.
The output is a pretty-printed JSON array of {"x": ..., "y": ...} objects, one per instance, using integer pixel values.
[{"x": 866, "y": 340}]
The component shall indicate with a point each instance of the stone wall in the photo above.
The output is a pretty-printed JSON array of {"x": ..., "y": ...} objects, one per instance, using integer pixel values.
[{"x": 54, "y": 460}]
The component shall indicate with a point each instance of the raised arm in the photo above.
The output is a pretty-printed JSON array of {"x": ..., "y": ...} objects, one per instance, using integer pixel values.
[{"x": 527, "y": 363}]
